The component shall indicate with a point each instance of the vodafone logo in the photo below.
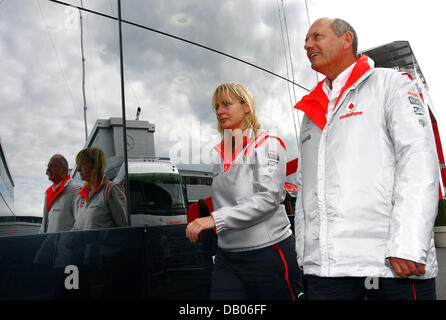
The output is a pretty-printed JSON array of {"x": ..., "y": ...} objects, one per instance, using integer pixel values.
[
  {"x": 350, "y": 112},
  {"x": 351, "y": 107}
]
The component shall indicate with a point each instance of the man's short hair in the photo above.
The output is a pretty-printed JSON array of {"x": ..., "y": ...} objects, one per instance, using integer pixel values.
[
  {"x": 62, "y": 161},
  {"x": 340, "y": 27}
]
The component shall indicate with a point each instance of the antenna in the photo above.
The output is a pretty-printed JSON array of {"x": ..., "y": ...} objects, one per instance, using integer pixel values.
[
  {"x": 124, "y": 122},
  {"x": 83, "y": 72}
]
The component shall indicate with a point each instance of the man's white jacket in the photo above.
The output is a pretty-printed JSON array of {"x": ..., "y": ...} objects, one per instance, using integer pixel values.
[
  {"x": 367, "y": 179},
  {"x": 60, "y": 216}
]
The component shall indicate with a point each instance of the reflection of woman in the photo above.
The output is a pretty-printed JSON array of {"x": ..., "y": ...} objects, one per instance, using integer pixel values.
[
  {"x": 256, "y": 258},
  {"x": 101, "y": 203}
]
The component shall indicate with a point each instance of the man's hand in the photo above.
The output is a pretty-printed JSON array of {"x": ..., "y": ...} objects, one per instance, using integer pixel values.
[
  {"x": 405, "y": 268},
  {"x": 195, "y": 227}
]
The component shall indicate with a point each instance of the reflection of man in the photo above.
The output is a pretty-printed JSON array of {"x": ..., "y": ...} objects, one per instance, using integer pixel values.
[
  {"x": 367, "y": 179},
  {"x": 58, "y": 210}
]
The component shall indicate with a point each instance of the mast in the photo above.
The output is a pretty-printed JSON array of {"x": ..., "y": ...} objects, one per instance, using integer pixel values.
[
  {"x": 83, "y": 72},
  {"x": 124, "y": 122}
]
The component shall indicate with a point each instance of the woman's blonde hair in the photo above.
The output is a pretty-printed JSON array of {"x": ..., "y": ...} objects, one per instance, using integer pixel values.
[
  {"x": 95, "y": 157},
  {"x": 228, "y": 91}
]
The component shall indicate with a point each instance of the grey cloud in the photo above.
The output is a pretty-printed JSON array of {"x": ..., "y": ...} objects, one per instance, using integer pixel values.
[{"x": 172, "y": 81}]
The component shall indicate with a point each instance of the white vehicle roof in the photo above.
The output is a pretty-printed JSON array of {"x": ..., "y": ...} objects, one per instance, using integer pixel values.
[
  {"x": 146, "y": 165},
  {"x": 152, "y": 166}
]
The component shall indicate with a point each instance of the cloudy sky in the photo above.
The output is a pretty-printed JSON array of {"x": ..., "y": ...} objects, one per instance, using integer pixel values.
[{"x": 41, "y": 109}]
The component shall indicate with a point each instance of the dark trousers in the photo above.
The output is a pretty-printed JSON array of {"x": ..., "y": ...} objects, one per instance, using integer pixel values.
[
  {"x": 360, "y": 288},
  {"x": 268, "y": 273}
]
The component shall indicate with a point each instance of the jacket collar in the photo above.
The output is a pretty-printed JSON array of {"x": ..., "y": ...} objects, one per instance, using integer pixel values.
[
  {"x": 51, "y": 193},
  {"x": 84, "y": 191},
  {"x": 315, "y": 104},
  {"x": 229, "y": 158}
]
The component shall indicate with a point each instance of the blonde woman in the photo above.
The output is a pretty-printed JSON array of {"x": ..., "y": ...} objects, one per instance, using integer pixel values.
[
  {"x": 101, "y": 203},
  {"x": 256, "y": 258}
]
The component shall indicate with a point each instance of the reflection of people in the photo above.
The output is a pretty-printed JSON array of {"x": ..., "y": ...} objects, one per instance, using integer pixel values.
[
  {"x": 256, "y": 256},
  {"x": 101, "y": 203},
  {"x": 367, "y": 178},
  {"x": 58, "y": 208}
]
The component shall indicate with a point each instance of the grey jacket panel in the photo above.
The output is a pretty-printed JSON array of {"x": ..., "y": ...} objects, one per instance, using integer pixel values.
[
  {"x": 61, "y": 215},
  {"x": 247, "y": 197},
  {"x": 368, "y": 183},
  {"x": 106, "y": 208}
]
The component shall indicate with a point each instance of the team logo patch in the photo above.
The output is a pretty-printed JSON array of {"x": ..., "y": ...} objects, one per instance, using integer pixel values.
[
  {"x": 273, "y": 158},
  {"x": 350, "y": 112},
  {"x": 272, "y": 163},
  {"x": 417, "y": 105},
  {"x": 351, "y": 107},
  {"x": 416, "y": 102},
  {"x": 273, "y": 155}
]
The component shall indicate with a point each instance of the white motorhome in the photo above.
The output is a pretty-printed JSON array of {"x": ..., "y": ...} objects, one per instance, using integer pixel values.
[
  {"x": 157, "y": 194},
  {"x": 198, "y": 183}
]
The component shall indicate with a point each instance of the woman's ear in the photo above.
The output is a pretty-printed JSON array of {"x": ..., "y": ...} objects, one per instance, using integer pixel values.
[{"x": 247, "y": 108}]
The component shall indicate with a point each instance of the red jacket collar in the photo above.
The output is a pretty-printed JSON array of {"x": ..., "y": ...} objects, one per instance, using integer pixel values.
[
  {"x": 315, "y": 104},
  {"x": 84, "y": 192},
  {"x": 52, "y": 194},
  {"x": 227, "y": 159}
]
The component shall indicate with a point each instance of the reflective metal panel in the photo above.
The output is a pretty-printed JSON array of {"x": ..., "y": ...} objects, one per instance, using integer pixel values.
[
  {"x": 119, "y": 263},
  {"x": 177, "y": 268},
  {"x": 74, "y": 265}
]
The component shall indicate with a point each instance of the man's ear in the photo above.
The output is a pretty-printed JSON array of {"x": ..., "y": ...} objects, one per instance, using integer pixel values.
[{"x": 348, "y": 39}]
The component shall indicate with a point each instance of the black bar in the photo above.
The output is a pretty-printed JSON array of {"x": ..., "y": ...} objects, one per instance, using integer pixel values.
[{"x": 124, "y": 123}]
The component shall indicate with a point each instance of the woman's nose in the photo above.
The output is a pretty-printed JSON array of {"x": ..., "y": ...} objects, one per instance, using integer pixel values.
[{"x": 220, "y": 110}]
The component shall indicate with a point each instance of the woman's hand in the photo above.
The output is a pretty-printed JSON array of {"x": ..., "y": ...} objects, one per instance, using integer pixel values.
[{"x": 195, "y": 227}]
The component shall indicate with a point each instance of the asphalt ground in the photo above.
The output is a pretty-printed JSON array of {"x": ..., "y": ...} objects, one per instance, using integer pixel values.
[{"x": 441, "y": 278}]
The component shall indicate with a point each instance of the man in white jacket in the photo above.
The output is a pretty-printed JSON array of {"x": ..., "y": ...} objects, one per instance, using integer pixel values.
[
  {"x": 58, "y": 208},
  {"x": 367, "y": 179}
]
